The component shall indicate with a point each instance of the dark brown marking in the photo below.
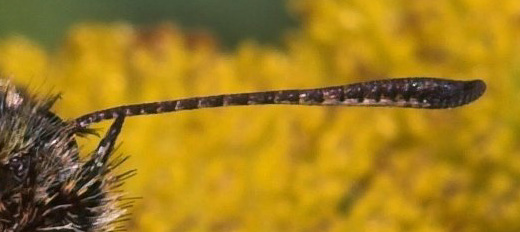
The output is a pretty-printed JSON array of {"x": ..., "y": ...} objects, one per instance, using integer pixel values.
[
  {"x": 261, "y": 98},
  {"x": 236, "y": 99},
  {"x": 374, "y": 93},
  {"x": 391, "y": 91},
  {"x": 312, "y": 96},
  {"x": 152, "y": 108},
  {"x": 212, "y": 101},
  {"x": 288, "y": 96},
  {"x": 334, "y": 94},
  {"x": 405, "y": 92},
  {"x": 187, "y": 104},
  {"x": 353, "y": 92}
]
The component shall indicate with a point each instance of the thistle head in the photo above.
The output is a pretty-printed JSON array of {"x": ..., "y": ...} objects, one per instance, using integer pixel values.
[{"x": 44, "y": 185}]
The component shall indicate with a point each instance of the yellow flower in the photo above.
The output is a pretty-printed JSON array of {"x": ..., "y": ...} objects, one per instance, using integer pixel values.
[{"x": 289, "y": 168}]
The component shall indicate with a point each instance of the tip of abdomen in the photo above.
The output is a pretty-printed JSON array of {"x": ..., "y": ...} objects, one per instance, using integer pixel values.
[
  {"x": 460, "y": 93},
  {"x": 477, "y": 87}
]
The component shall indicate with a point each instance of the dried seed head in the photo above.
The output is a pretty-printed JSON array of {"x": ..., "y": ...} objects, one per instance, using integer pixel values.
[{"x": 44, "y": 185}]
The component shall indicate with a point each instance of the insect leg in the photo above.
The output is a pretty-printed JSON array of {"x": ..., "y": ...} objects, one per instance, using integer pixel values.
[{"x": 99, "y": 159}]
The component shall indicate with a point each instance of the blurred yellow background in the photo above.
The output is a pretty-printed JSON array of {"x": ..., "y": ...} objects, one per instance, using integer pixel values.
[{"x": 295, "y": 168}]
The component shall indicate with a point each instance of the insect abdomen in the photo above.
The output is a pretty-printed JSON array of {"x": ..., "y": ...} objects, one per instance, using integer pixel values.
[{"x": 430, "y": 93}]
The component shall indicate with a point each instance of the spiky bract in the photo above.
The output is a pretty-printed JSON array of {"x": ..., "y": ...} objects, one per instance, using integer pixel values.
[{"x": 44, "y": 184}]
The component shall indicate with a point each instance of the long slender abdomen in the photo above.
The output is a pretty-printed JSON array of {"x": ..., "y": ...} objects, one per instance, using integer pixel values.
[{"x": 430, "y": 93}]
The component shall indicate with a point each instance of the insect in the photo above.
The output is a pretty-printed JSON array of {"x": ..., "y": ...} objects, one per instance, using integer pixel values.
[{"x": 46, "y": 186}]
